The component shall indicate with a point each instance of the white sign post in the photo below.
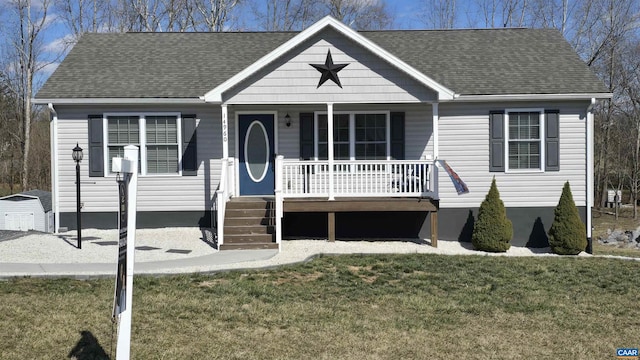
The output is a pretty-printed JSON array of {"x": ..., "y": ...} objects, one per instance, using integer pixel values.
[{"x": 123, "y": 299}]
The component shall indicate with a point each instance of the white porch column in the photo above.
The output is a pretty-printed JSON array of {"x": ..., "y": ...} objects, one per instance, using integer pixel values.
[
  {"x": 330, "y": 147},
  {"x": 436, "y": 136},
  {"x": 436, "y": 150},
  {"x": 589, "y": 199},
  {"x": 225, "y": 132}
]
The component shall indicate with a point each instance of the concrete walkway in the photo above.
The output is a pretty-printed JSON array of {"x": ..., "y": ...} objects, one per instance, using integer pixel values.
[{"x": 206, "y": 263}]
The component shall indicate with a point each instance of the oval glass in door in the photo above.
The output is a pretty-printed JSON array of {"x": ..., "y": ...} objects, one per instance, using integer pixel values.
[{"x": 256, "y": 151}]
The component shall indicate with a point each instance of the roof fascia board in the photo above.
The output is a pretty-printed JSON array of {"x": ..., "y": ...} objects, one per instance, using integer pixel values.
[
  {"x": 520, "y": 97},
  {"x": 215, "y": 95},
  {"x": 118, "y": 101},
  {"x": 22, "y": 195}
]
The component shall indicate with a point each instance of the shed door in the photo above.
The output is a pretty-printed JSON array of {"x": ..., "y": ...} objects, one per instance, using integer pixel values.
[{"x": 19, "y": 221}]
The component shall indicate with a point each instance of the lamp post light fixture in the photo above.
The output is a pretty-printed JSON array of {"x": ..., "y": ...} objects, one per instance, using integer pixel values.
[{"x": 77, "y": 157}]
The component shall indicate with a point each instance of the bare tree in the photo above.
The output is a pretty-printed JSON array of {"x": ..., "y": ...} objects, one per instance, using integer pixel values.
[
  {"x": 215, "y": 15},
  {"x": 439, "y": 14},
  {"x": 25, "y": 50},
  {"x": 284, "y": 15},
  {"x": 360, "y": 14}
]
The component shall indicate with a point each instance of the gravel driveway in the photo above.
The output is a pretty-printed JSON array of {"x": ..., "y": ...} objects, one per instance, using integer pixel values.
[{"x": 10, "y": 234}]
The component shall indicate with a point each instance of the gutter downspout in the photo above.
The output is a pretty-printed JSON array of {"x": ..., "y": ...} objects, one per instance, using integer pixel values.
[
  {"x": 589, "y": 188},
  {"x": 55, "y": 189}
]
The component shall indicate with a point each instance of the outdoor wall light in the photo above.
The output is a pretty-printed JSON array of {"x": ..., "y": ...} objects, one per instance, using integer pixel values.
[
  {"x": 77, "y": 157},
  {"x": 287, "y": 120}
]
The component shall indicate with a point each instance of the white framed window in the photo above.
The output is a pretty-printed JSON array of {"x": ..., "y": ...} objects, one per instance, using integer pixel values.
[
  {"x": 156, "y": 134},
  {"x": 524, "y": 140},
  {"x": 357, "y": 135}
]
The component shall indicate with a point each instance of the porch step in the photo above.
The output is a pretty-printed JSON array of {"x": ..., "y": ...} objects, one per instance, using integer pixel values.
[
  {"x": 230, "y": 220},
  {"x": 248, "y": 230},
  {"x": 248, "y": 246},
  {"x": 247, "y": 239},
  {"x": 248, "y": 224},
  {"x": 247, "y": 212}
]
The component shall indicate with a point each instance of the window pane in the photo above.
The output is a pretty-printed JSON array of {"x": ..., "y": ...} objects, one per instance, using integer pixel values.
[
  {"x": 162, "y": 144},
  {"x": 162, "y": 159},
  {"x": 371, "y": 136},
  {"x": 524, "y": 140},
  {"x": 162, "y": 130},
  {"x": 123, "y": 130},
  {"x": 341, "y": 151},
  {"x": 524, "y": 155},
  {"x": 323, "y": 152}
]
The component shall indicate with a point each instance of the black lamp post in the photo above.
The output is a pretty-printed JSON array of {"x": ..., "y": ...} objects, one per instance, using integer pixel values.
[{"x": 77, "y": 157}]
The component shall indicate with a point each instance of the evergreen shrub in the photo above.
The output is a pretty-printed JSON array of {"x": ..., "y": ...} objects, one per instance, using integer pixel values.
[
  {"x": 568, "y": 235},
  {"x": 493, "y": 230}
]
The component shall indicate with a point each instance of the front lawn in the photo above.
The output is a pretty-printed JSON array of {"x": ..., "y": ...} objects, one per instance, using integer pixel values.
[{"x": 341, "y": 307}]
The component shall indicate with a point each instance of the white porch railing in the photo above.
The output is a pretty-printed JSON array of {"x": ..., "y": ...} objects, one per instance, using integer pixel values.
[
  {"x": 360, "y": 178},
  {"x": 225, "y": 189}
]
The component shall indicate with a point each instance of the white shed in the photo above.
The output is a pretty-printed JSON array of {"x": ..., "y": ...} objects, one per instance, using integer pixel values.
[{"x": 29, "y": 210}]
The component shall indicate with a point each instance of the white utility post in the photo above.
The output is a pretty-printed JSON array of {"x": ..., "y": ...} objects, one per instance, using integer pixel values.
[{"x": 128, "y": 167}]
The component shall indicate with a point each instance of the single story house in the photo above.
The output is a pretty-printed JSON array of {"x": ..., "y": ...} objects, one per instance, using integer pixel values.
[
  {"x": 234, "y": 130},
  {"x": 28, "y": 210}
]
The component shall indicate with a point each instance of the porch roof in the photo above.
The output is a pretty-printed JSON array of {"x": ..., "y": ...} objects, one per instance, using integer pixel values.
[{"x": 188, "y": 65}]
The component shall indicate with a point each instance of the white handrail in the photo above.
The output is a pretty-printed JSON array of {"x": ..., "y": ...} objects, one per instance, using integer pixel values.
[{"x": 357, "y": 178}]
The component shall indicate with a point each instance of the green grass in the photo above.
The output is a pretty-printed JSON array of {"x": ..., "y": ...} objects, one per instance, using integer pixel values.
[{"x": 346, "y": 307}]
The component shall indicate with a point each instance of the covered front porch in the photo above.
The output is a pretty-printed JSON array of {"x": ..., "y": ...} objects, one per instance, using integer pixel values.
[{"x": 315, "y": 186}]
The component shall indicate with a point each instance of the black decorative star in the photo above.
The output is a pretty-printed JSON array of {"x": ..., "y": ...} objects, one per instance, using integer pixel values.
[{"x": 329, "y": 70}]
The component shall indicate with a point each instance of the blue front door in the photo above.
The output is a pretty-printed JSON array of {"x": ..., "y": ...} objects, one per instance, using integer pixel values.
[{"x": 256, "y": 154}]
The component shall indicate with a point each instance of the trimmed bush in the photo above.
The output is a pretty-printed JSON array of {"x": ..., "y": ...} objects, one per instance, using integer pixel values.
[
  {"x": 568, "y": 235},
  {"x": 493, "y": 230}
]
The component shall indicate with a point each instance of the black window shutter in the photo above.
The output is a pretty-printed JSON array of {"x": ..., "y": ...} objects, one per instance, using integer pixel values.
[
  {"x": 189, "y": 146},
  {"x": 397, "y": 135},
  {"x": 552, "y": 140},
  {"x": 96, "y": 148},
  {"x": 306, "y": 136},
  {"x": 496, "y": 141}
]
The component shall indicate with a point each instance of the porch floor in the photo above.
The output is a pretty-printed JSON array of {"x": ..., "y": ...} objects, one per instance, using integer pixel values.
[{"x": 354, "y": 204}]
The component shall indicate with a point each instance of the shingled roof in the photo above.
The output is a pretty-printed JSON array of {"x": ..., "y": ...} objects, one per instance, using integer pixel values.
[{"x": 188, "y": 65}]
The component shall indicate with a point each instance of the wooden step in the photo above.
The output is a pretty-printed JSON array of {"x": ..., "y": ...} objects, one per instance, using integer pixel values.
[
  {"x": 244, "y": 221},
  {"x": 226, "y": 246},
  {"x": 232, "y": 213},
  {"x": 250, "y": 203},
  {"x": 248, "y": 230},
  {"x": 248, "y": 239},
  {"x": 247, "y": 224}
]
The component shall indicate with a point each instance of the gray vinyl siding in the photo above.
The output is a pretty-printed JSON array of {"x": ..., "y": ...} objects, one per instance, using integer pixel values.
[
  {"x": 24, "y": 206},
  {"x": 155, "y": 192},
  {"x": 367, "y": 78},
  {"x": 464, "y": 144}
]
